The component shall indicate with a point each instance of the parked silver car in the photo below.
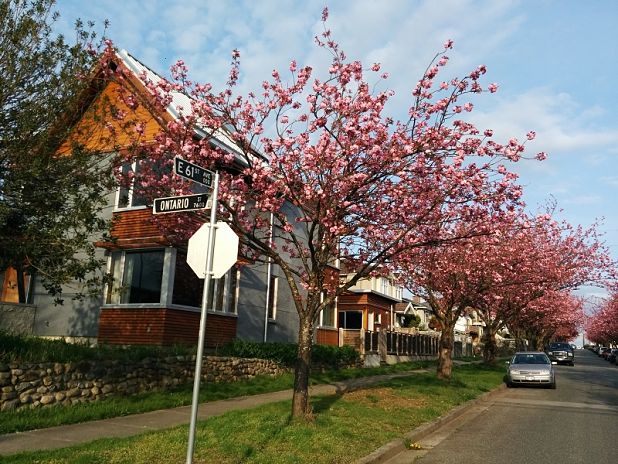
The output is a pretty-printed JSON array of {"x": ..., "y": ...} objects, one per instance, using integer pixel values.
[{"x": 530, "y": 368}]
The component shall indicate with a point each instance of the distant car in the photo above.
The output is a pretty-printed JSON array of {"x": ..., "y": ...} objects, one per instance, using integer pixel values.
[
  {"x": 604, "y": 352},
  {"x": 597, "y": 349},
  {"x": 613, "y": 354},
  {"x": 561, "y": 353},
  {"x": 530, "y": 368}
]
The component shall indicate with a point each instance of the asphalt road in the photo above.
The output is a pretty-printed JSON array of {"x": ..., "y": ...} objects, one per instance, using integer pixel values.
[{"x": 576, "y": 423}]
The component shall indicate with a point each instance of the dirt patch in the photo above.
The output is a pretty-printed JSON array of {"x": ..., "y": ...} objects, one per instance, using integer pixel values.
[{"x": 383, "y": 398}]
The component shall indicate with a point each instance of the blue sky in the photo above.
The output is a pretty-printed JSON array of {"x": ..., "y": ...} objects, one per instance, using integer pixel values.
[{"x": 555, "y": 61}]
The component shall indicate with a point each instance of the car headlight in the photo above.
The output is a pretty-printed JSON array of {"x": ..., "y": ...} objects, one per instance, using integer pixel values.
[{"x": 569, "y": 354}]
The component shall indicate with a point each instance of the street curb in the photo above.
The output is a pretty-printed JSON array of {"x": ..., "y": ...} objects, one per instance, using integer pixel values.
[{"x": 397, "y": 446}]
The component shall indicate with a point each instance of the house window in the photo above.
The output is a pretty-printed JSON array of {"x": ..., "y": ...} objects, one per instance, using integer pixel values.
[
  {"x": 126, "y": 196},
  {"x": 217, "y": 294},
  {"x": 351, "y": 320},
  {"x": 327, "y": 315},
  {"x": 272, "y": 297},
  {"x": 233, "y": 290},
  {"x": 385, "y": 285},
  {"x": 188, "y": 288},
  {"x": 136, "y": 276},
  {"x": 224, "y": 292}
]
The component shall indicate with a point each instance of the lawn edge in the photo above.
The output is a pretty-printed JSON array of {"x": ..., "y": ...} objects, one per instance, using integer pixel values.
[{"x": 397, "y": 446}]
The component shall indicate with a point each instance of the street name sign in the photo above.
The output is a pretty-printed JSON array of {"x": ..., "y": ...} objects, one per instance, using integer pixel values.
[
  {"x": 180, "y": 203},
  {"x": 193, "y": 172}
]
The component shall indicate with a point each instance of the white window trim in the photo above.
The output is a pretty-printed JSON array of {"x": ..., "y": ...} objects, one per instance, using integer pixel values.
[
  {"x": 129, "y": 194},
  {"x": 272, "y": 316},
  {"x": 321, "y": 323},
  {"x": 169, "y": 258}
]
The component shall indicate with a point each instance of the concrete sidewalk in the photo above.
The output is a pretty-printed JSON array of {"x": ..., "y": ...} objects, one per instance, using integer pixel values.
[{"x": 70, "y": 435}]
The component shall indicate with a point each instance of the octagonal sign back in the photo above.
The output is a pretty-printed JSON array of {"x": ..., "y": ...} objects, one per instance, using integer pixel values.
[{"x": 225, "y": 250}]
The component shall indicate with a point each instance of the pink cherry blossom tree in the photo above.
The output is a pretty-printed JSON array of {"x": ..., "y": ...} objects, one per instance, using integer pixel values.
[
  {"x": 520, "y": 275},
  {"x": 601, "y": 327},
  {"x": 538, "y": 262},
  {"x": 557, "y": 315},
  {"x": 318, "y": 160},
  {"x": 444, "y": 276}
]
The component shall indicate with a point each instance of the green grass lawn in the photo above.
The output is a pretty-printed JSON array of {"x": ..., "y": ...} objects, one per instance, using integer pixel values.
[
  {"x": 346, "y": 427},
  {"x": 30, "y": 419}
]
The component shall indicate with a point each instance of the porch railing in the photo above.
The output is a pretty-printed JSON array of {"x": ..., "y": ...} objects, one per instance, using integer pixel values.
[{"x": 390, "y": 343}]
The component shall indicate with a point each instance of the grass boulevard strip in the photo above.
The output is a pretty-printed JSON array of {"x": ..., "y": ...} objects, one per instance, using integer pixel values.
[{"x": 347, "y": 425}]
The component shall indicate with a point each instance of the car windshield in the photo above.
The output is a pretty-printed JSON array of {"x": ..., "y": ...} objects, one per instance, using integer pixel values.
[
  {"x": 559, "y": 346},
  {"x": 531, "y": 359}
]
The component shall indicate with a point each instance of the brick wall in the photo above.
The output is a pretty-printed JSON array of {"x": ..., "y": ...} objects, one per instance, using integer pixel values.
[{"x": 162, "y": 326}]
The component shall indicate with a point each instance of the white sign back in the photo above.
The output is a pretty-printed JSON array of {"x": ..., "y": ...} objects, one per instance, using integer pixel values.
[{"x": 225, "y": 251}]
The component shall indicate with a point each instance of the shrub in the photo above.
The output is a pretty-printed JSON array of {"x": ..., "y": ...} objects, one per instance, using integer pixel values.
[
  {"x": 411, "y": 320},
  {"x": 19, "y": 348},
  {"x": 334, "y": 356},
  {"x": 285, "y": 353}
]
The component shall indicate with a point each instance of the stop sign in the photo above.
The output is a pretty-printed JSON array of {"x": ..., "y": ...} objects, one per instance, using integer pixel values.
[{"x": 225, "y": 251}]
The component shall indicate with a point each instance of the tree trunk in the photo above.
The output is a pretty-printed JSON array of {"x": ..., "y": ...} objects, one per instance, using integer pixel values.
[
  {"x": 520, "y": 335},
  {"x": 300, "y": 398},
  {"x": 445, "y": 351},
  {"x": 490, "y": 349}
]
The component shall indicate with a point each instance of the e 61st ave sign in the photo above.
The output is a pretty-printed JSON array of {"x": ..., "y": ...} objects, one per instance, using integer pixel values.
[
  {"x": 193, "y": 172},
  {"x": 181, "y": 203}
]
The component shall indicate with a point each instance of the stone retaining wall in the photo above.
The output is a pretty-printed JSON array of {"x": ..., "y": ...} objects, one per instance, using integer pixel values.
[{"x": 36, "y": 385}]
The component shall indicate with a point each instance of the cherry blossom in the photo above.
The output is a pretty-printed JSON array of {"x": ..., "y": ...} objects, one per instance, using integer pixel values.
[{"x": 319, "y": 162}]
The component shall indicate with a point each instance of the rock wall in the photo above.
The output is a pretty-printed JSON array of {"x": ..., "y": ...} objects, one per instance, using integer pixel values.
[{"x": 37, "y": 385}]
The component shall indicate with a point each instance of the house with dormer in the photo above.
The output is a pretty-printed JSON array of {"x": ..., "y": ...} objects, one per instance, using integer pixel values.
[{"x": 155, "y": 298}]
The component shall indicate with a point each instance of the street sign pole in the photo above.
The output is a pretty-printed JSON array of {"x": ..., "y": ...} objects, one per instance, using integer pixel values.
[{"x": 202, "y": 332}]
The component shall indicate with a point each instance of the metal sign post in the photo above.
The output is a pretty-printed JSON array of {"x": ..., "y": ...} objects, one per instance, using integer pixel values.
[{"x": 202, "y": 333}]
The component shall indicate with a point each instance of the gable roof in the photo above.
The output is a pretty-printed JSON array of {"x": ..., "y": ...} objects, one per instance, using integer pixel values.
[{"x": 179, "y": 103}]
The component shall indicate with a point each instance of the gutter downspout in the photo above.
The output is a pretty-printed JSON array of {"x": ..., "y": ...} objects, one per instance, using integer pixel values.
[{"x": 268, "y": 275}]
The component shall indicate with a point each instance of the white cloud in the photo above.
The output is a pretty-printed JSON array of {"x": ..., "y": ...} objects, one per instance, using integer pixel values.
[
  {"x": 610, "y": 180},
  {"x": 562, "y": 126}
]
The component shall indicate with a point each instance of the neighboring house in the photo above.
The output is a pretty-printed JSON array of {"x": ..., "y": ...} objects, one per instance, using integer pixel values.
[
  {"x": 370, "y": 304},
  {"x": 413, "y": 306},
  {"x": 156, "y": 297},
  {"x": 475, "y": 327}
]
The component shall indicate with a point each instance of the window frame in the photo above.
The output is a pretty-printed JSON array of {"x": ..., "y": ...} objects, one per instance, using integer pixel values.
[
  {"x": 130, "y": 190},
  {"x": 113, "y": 298},
  {"x": 332, "y": 308}
]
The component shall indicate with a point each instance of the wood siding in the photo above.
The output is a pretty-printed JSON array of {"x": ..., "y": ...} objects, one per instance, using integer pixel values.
[
  {"x": 370, "y": 300},
  {"x": 327, "y": 336},
  {"x": 99, "y": 131},
  {"x": 162, "y": 326}
]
